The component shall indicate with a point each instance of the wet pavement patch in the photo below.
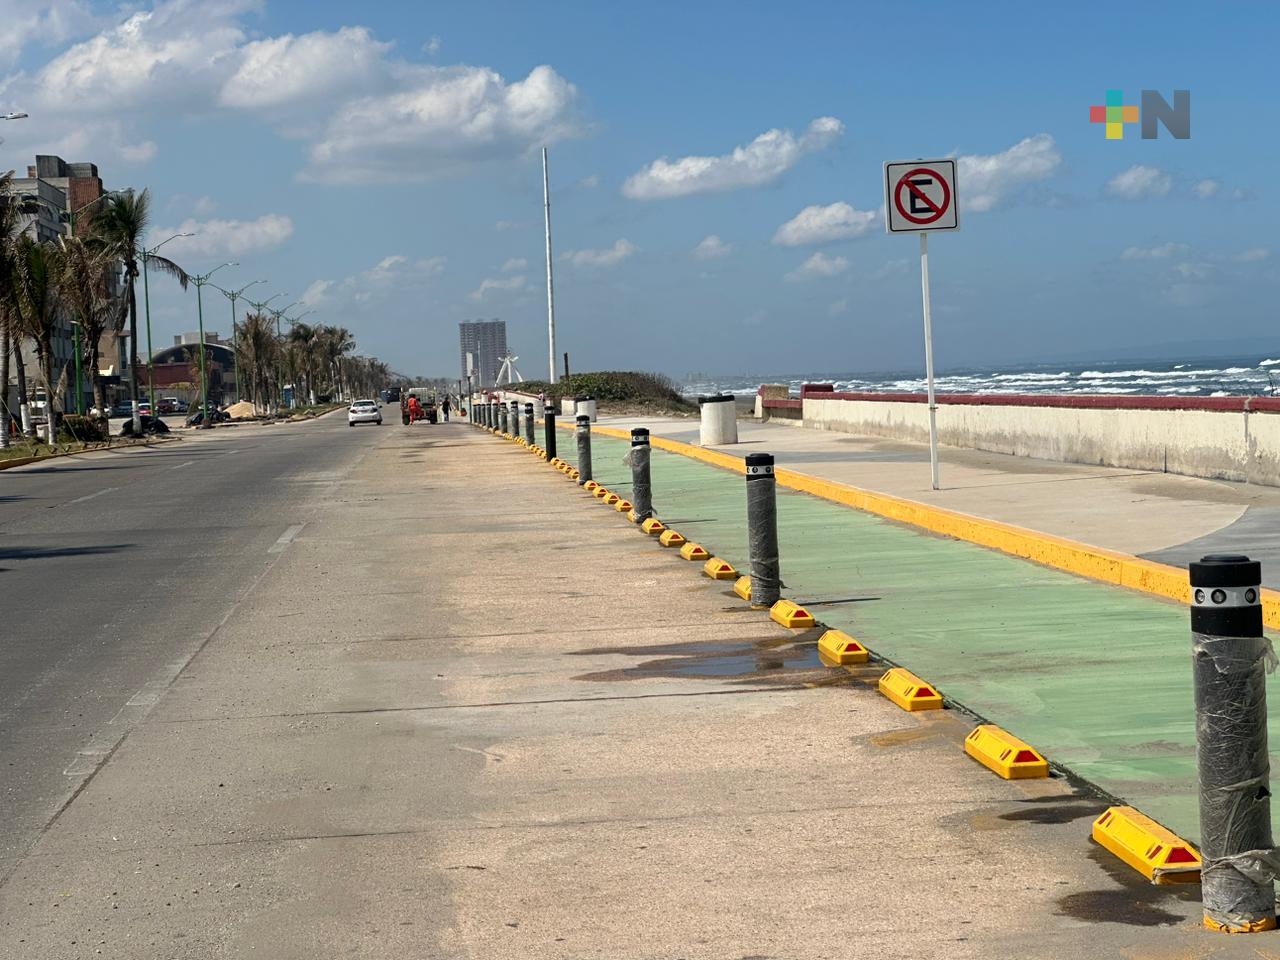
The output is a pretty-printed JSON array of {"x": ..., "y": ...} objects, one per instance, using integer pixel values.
[
  {"x": 788, "y": 659},
  {"x": 1055, "y": 810},
  {"x": 1133, "y": 901}
]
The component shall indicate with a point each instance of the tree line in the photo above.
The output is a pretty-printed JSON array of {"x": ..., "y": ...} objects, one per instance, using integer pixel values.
[{"x": 90, "y": 277}]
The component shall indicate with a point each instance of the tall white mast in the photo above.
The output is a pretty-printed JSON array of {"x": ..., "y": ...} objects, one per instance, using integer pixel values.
[{"x": 551, "y": 297}]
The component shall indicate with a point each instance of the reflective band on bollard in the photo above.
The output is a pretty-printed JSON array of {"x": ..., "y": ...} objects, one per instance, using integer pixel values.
[
  {"x": 1230, "y": 660},
  {"x": 549, "y": 429},
  {"x": 528, "y": 424},
  {"x": 762, "y": 530},
  {"x": 641, "y": 483},
  {"x": 583, "y": 431}
]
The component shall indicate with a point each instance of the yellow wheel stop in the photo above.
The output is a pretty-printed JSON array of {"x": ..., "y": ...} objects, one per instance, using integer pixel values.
[
  {"x": 791, "y": 614},
  {"x": 1154, "y": 851},
  {"x": 1004, "y": 754},
  {"x": 840, "y": 649},
  {"x": 908, "y": 691}
]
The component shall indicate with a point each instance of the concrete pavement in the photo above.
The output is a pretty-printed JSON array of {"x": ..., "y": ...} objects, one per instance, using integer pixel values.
[{"x": 466, "y": 711}]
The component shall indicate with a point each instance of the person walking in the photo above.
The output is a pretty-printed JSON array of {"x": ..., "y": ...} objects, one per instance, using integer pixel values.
[{"x": 444, "y": 405}]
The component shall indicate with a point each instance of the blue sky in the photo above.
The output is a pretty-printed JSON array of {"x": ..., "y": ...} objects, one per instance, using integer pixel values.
[{"x": 380, "y": 161}]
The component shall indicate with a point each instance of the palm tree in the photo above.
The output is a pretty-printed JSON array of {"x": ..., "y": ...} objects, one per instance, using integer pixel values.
[
  {"x": 121, "y": 224},
  {"x": 258, "y": 350},
  {"x": 8, "y": 240},
  {"x": 335, "y": 343},
  {"x": 304, "y": 339},
  {"x": 36, "y": 292},
  {"x": 86, "y": 286}
]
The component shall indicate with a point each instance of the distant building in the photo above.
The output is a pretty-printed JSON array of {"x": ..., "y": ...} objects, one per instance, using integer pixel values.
[
  {"x": 486, "y": 341},
  {"x": 52, "y": 192}
]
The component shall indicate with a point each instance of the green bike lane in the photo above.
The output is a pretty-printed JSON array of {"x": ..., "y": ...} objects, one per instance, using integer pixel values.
[{"x": 1096, "y": 677}]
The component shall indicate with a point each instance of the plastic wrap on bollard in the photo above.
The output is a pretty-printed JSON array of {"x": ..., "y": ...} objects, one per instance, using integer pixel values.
[{"x": 762, "y": 511}]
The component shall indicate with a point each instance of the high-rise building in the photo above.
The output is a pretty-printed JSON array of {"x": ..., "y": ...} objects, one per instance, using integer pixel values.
[{"x": 486, "y": 341}]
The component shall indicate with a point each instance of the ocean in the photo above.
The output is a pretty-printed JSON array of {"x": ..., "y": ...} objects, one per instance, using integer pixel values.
[{"x": 1235, "y": 376}]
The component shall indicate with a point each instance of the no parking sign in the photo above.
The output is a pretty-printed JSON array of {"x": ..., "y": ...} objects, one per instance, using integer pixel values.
[{"x": 920, "y": 195}]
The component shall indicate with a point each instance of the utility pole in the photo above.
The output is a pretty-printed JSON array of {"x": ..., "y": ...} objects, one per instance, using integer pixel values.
[
  {"x": 146, "y": 300},
  {"x": 261, "y": 307},
  {"x": 200, "y": 281},
  {"x": 233, "y": 296},
  {"x": 551, "y": 297}
]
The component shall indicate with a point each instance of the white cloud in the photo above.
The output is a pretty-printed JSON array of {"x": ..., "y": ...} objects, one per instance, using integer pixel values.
[
  {"x": 227, "y": 238},
  {"x": 987, "y": 179},
  {"x": 610, "y": 257},
  {"x": 497, "y": 283},
  {"x": 817, "y": 224},
  {"x": 431, "y": 47},
  {"x": 1252, "y": 255},
  {"x": 178, "y": 51},
  {"x": 353, "y": 103},
  {"x": 766, "y": 158},
  {"x": 712, "y": 248},
  {"x": 891, "y": 269},
  {"x": 818, "y": 265},
  {"x": 590, "y": 183},
  {"x": 1159, "y": 252},
  {"x": 1194, "y": 271},
  {"x": 1140, "y": 181},
  {"x": 287, "y": 69},
  {"x": 50, "y": 22},
  {"x": 515, "y": 264},
  {"x": 1206, "y": 188},
  {"x": 441, "y": 120},
  {"x": 502, "y": 226},
  {"x": 838, "y": 308},
  {"x": 395, "y": 272},
  {"x": 138, "y": 152},
  {"x": 316, "y": 293},
  {"x": 204, "y": 206}
]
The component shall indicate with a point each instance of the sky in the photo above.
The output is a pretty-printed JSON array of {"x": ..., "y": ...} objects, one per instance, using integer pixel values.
[{"x": 716, "y": 171}]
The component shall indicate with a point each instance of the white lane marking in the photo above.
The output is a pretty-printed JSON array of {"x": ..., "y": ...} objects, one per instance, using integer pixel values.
[
  {"x": 90, "y": 496},
  {"x": 181, "y": 465},
  {"x": 286, "y": 538}
]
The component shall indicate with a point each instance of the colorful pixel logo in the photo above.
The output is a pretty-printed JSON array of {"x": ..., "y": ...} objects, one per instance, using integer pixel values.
[{"x": 1155, "y": 113}]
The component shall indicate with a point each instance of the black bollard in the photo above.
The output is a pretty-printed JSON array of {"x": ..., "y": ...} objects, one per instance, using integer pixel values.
[
  {"x": 762, "y": 530},
  {"x": 641, "y": 483},
  {"x": 528, "y": 424},
  {"x": 502, "y": 418},
  {"x": 549, "y": 432},
  {"x": 584, "y": 448},
  {"x": 515, "y": 418},
  {"x": 1230, "y": 659}
]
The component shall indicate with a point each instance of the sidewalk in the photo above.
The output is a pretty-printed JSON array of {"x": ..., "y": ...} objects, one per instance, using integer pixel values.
[
  {"x": 470, "y": 712},
  {"x": 1164, "y": 517}
]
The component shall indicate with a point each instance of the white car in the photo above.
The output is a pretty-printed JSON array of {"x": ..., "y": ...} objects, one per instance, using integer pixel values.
[{"x": 364, "y": 411}]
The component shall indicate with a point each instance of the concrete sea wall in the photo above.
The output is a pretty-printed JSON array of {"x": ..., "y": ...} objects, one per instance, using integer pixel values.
[{"x": 1229, "y": 438}]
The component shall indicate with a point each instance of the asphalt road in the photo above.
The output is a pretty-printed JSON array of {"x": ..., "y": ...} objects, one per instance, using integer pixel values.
[{"x": 114, "y": 570}]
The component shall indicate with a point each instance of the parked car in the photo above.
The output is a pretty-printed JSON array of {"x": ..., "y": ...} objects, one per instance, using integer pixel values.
[
  {"x": 144, "y": 408},
  {"x": 122, "y": 409},
  {"x": 364, "y": 411}
]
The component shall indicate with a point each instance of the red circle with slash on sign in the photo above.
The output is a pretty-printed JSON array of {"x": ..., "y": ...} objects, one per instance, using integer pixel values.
[{"x": 937, "y": 210}]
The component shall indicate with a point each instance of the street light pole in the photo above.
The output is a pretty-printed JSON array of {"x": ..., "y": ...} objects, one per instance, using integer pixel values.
[
  {"x": 280, "y": 366},
  {"x": 200, "y": 281},
  {"x": 261, "y": 307},
  {"x": 233, "y": 296},
  {"x": 146, "y": 301}
]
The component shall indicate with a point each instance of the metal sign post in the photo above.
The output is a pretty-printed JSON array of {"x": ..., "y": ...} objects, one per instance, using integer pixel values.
[{"x": 920, "y": 197}]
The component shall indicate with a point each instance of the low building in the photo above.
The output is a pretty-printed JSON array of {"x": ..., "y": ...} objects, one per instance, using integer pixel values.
[{"x": 175, "y": 370}]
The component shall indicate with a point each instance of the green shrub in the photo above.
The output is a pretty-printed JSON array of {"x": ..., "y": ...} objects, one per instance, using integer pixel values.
[
  {"x": 612, "y": 386},
  {"x": 73, "y": 427}
]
